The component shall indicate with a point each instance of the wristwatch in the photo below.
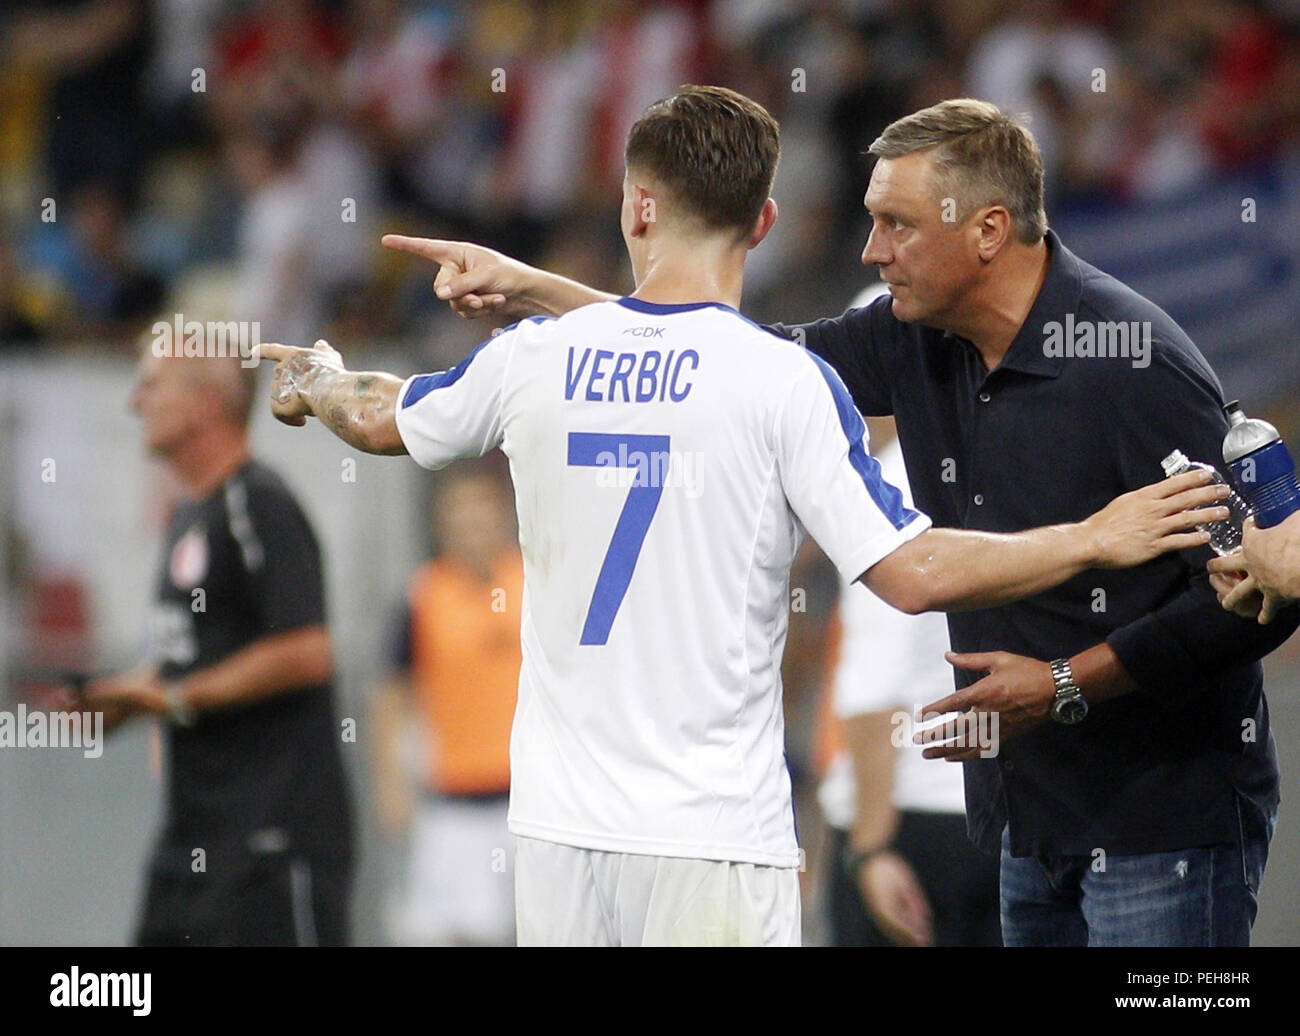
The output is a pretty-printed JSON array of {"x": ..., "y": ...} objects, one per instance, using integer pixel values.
[
  {"x": 179, "y": 711},
  {"x": 1068, "y": 706},
  {"x": 853, "y": 859}
]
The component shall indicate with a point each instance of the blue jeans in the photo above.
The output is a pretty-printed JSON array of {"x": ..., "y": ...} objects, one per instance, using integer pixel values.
[{"x": 1190, "y": 897}]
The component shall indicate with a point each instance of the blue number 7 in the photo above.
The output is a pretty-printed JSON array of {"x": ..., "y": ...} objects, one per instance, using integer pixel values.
[{"x": 648, "y": 454}]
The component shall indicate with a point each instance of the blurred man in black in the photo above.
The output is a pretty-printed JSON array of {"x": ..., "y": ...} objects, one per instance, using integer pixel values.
[{"x": 256, "y": 844}]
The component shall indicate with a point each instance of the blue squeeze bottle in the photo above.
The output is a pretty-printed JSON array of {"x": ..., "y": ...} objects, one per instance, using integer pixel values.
[{"x": 1261, "y": 467}]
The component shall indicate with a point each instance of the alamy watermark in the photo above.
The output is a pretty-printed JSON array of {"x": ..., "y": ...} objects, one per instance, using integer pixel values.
[
  {"x": 1102, "y": 339},
  {"x": 212, "y": 339},
  {"x": 658, "y": 469},
  {"x": 963, "y": 729},
  {"x": 37, "y": 729},
  {"x": 75, "y": 988}
]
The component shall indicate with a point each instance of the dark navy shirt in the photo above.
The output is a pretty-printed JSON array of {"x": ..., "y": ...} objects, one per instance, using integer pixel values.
[
  {"x": 240, "y": 565},
  {"x": 1048, "y": 437}
]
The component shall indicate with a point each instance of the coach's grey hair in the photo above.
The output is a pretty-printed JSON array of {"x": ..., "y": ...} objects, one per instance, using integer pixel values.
[{"x": 981, "y": 157}]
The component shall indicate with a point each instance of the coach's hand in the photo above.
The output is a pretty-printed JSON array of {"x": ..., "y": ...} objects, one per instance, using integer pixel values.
[
  {"x": 1019, "y": 690},
  {"x": 294, "y": 369},
  {"x": 475, "y": 281},
  {"x": 1147, "y": 522}
]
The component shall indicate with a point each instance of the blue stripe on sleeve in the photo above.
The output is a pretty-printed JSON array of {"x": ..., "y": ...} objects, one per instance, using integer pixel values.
[
  {"x": 887, "y": 496},
  {"x": 426, "y": 383}
]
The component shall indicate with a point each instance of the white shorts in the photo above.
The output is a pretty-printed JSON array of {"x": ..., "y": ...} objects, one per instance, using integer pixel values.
[
  {"x": 458, "y": 887},
  {"x": 565, "y": 896}
]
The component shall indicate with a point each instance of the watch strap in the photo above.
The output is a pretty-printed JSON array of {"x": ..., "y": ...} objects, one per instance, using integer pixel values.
[{"x": 179, "y": 711}]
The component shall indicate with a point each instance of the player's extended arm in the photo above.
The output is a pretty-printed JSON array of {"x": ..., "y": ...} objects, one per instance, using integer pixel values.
[
  {"x": 360, "y": 407},
  {"x": 963, "y": 569},
  {"x": 478, "y": 281}
]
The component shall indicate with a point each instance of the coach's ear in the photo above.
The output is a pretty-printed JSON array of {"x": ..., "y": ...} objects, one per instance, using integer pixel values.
[
  {"x": 766, "y": 219},
  {"x": 993, "y": 229}
]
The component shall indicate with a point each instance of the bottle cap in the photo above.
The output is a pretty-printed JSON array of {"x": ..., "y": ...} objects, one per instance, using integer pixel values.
[
  {"x": 1245, "y": 434},
  {"x": 1175, "y": 462}
]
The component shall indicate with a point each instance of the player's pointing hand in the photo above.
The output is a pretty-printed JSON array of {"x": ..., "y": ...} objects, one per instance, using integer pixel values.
[{"x": 295, "y": 368}]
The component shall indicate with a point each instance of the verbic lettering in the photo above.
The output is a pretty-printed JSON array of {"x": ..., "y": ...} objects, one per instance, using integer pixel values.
[{"x": 656, "y": 376}]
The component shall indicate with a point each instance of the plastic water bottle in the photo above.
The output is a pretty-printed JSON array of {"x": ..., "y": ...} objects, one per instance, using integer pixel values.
[
  {"x": 1225, "y": 535},
  {"x": 1261, "y": 467}
]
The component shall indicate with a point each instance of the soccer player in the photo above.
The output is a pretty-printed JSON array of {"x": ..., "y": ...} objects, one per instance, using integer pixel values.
[{"x": 668, "y": 456}]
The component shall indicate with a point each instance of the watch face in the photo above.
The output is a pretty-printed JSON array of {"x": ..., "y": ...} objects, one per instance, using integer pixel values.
[{"x": 1069, "y": 710}]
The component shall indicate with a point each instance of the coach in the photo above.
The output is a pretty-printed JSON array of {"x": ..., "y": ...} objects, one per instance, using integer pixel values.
[
  {"x": 1144, "y": 818},
  {"x": 1136, "y": 789}
]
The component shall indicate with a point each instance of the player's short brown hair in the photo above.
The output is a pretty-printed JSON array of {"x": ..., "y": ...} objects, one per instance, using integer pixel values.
[
  {"x": 715, "y": 151},
  {"x": 981, "y": 156}
]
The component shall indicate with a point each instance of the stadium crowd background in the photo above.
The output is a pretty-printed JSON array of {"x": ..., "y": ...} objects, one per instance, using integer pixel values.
[{"x": 238, "y": 161}]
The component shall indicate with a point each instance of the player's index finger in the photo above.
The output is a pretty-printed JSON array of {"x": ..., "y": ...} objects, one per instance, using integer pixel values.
[
  {"x": 275, "y": 351},
  {"x": 428, "y": 247}
]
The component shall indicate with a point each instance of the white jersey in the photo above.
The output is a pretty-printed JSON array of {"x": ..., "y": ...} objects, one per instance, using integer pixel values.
[{"x": 667, "y": 460}]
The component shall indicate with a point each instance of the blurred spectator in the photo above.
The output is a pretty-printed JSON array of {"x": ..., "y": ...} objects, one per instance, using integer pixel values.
[
  {"x": 502, "y": 121},
  {"x": 17, "y": 328},
  {"x": 274, "y": 58},
  {"x": 457, "y": 662},
  {"x": 273, "y": 238},
  {"x": 307, "y": 222},
  {"x": 900, "y": 868},
  {"x": 94, "y": 53},
  {"x": 406, "y": 88},
  {"x": 182, "y": 62},
  {"x": 1042, "y": 42},
  {"x": 110, "y": 293}
]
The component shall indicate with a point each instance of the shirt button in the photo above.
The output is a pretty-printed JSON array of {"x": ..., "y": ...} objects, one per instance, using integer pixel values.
[
  {"x": 985, "y": 397},
  {"x": 1008, "y": 765},
  {"x": 979, "y": 499}
]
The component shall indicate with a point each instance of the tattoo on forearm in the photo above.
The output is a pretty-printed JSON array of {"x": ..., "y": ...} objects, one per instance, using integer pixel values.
[
  {"x": 337, "y": 418},
  {"x": 353, "y": 406}
]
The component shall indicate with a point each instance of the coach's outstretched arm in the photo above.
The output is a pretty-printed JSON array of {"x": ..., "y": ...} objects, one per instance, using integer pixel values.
[
  {"x": 962, "y": 569},
  {"x": 479, "y": 282},
  {"x": 360, "y": 407}
]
